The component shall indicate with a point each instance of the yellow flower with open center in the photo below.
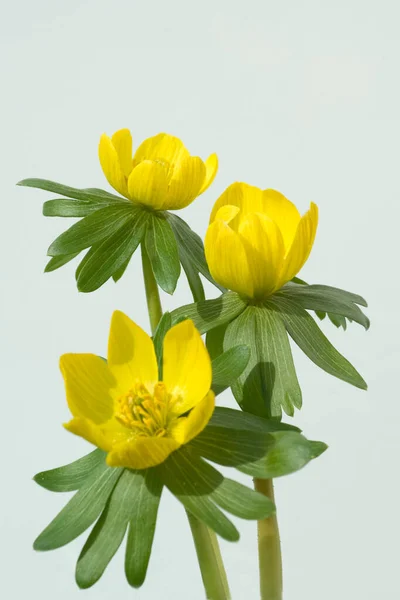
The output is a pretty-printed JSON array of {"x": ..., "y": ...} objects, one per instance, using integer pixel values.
[
  {"x": 162, "y": 174},
  {"x": 122, "y": 407},
  {"x": 257, "y": 240}
]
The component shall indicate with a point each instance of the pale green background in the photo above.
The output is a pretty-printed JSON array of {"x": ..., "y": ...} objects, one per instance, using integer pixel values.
[{"x": 302, "y": 96}]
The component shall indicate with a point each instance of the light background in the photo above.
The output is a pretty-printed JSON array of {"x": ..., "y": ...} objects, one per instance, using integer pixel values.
[{"x": 302, "y": 96}]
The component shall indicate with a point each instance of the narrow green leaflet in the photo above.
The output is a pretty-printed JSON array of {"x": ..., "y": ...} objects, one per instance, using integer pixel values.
[
  {"x": 163, "y": 253},
  {"x": 70, "y": 192},
  {"x": 291, "y": 452},
  {"x": 71, "y": 477},
  {"x": 215, "y": 340},
  {"x": 120, "y": 272},
  {"x": 256, "y": 453},
  {"x": 191, "y": 245},
  {"x": 110, "y": 529},
  {"x": 59, "y": 261},
  {"x": 193, "y": 277},
  {"x": 241, "y": 501},
  {"x": 67, "y": 207},
  {"x": 211, "y": 313},
  {"x": 184, "y": 476},
  {"x": 269, "y": 382},
  {"x": 92, "y": 229},
  {"x": 326, "y": 299},
  {"x": 163, "y": 326},
  {"x": 227, "y": 367},
  {"x": 106, "y": 258},
  {"x": 307, "y": 335},
  {"x": 142, "y": 527},
  {"x": 229, "y": 418},
  {"x": 81, "y": 511}
]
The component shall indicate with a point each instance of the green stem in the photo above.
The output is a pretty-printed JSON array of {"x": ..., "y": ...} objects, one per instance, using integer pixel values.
[
  {"x": 206, "y": 543},
  {"x": 269, "y": 548},
  {"x": 210, "y": 560},
  {"x": 152, "y": 293}
]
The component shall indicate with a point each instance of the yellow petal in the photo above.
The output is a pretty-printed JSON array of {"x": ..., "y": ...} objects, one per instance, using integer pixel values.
[
  {"x": 142, "y": 452},
  {"x": 211, "y": 165},
  {"x": 226, "y": 258},
  {"x": 122, "y": 142},
  {"x": 283, "y": 213},
  {"x": 186, "y": 367},
  {"x": 227, "y": 213},
  {"x": 185, "y": 183},
  {"x": 188, "y": 427},
  {"x": 131, "y": 355},
  {"x": 111, "y": 166},
  {"x": 265, "y": 252},
  {"x": 301, "y": 246},
  {"x": 89, "y": 385},
  {"x": 161, "y": 147},
  {"x": 147, "y": 184},
  {"x": 104, "y": 436},
  {"x": 246, "y": 197}
]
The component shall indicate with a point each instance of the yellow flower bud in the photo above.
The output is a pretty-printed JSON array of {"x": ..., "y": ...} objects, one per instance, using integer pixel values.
[
  {"x": 257, "y": 241},
  {"x": 162, "y": 174}
]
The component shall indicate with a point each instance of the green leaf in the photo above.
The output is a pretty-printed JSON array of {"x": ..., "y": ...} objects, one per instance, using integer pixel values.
[
  {"x": 81, "y": 511},
  {"x": 163, "y": 326},
  {"x": 63, "y": 207},
  {"x": 191, "y": 482},
  {"x": 291, "y": 452},
  {"x": 163, "y": 253},
  {"x": 59, "y": 261},
  {"x": 71, "y": 477},
  {"x": 318, "y": 448},
  {"x": 195, "y": 283},
  {"x": 327, "y": 299},
  {"x": 191, "y": 245},
  {"x": 142, "y": 528},
  {"x": 241, "y": 501},
  {"x": 233, "y": 447},
  {"x": 104, "y": 259},
  {"x": 70, "y": 192},
  {"x": 209, "y": 314},
  {"x": 93, "y": 229},
  {"x": 269, "y": 381},
  {"x": 230, "y": 418},
  {"x": 215, "y": 340},
  {"x": 337, "y": 320},
  {"x": 307, "y": 335},
  {"x": 256, "y": 453},
  {"x": 120, "y": 272},
  {"x": 227, "y": 367},
  {"x": 109, "y": 531}
]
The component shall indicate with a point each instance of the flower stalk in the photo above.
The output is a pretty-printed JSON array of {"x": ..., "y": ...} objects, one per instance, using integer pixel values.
[
  {"x": 210, "y": 560},
  {"x": 152, "y": 293},
  {"x": 205, "y": 540},
  {"x": 269, "y": 548}
]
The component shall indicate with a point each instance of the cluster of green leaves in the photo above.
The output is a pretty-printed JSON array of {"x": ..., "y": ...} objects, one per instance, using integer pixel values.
[
  {"x": 118, "y": 501},
  {"x": 269, "y": 382},
  {"x": 111, "y": 229}
]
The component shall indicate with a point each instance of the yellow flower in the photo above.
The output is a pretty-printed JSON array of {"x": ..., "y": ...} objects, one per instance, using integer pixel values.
[
  {"x": 257, "y": 241},
  {"x": 122, "y": 407},
  {"x": 162, "y": 173}
]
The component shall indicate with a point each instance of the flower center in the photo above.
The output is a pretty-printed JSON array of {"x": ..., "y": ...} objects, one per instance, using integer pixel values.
[{"x": 145, "y": 413}]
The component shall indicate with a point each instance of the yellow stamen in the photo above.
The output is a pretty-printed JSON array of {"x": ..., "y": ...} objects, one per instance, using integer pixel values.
[{"x": 145, "y": 413}]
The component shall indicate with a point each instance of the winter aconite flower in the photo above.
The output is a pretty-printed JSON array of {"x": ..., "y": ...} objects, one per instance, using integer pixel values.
[
  {"x": 162, "y": 174},
  {"x": 121, "y": 405},
  {"x": 257, "y": 240}
]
